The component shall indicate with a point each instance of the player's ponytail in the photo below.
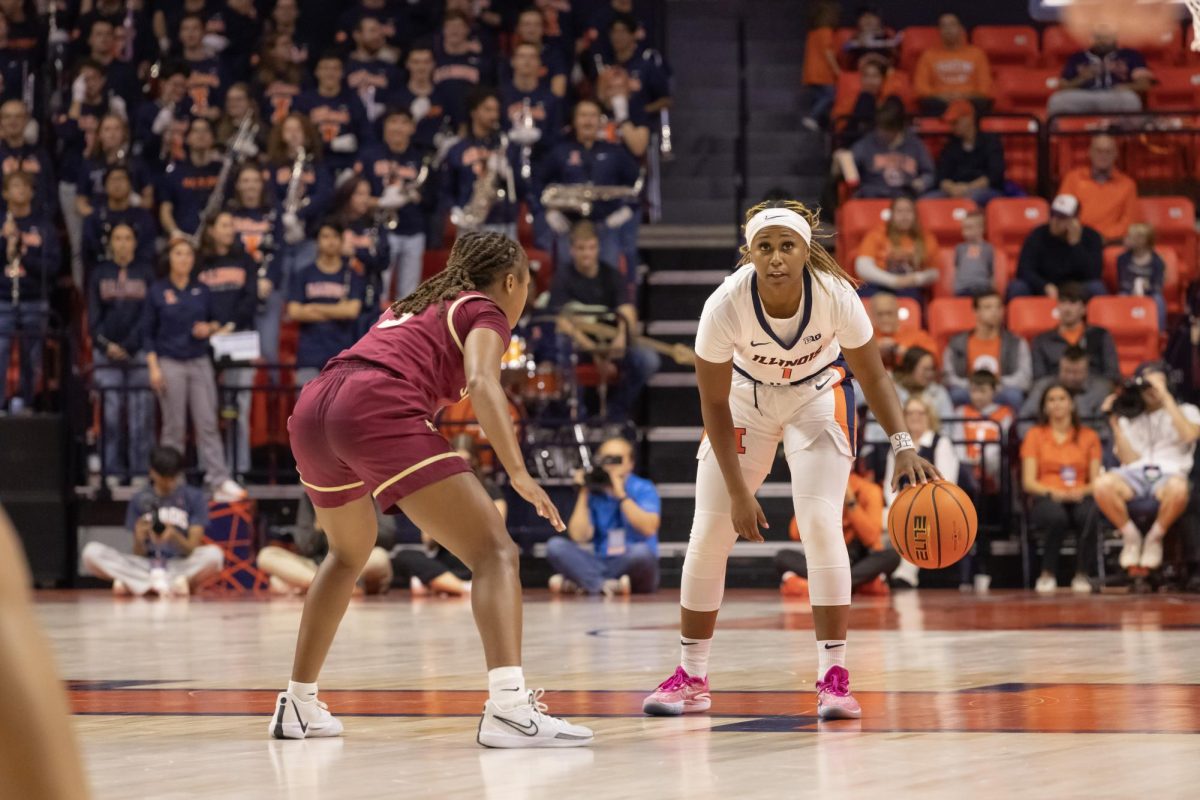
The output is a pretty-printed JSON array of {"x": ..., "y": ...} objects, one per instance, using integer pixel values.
[
  {"x": 476, "y": 260},
  {"x": 819, "y": 259}
]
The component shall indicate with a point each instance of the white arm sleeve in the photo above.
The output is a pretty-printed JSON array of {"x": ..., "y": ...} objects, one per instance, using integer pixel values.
[{"x": 715, "y": 336}]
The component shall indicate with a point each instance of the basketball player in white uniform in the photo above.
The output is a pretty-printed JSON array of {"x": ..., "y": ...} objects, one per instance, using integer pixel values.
[{"x": 777, "y": 345}]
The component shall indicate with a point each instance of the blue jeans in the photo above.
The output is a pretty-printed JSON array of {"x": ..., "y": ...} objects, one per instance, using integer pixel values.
[
  {"x": 637, "y": 368},
  {"x": 26, "y": 322},
  {"x": 589, "y": 571},
  {"x": 268, "y": 322},
  {"x": 981, "y": 196},
  {"x": 1019, "y": 288},
  {"x": 128, "y": 414},
  {"x": 237, "y": 392},
  {"x": 818, "y": 99},
  {"x": 408, "y": 253},
  {"x": 622, "y": 241}
]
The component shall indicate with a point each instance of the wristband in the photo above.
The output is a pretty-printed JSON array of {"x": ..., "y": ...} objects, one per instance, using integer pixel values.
[{"x": 902, "y": 441}]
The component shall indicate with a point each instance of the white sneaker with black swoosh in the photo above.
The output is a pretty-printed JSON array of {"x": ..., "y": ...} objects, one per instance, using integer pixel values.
[
  {"x": 528, "y": 725},
  {"x": 297, "y": 719}
]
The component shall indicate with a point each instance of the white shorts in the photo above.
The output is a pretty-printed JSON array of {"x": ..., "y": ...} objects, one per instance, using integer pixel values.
[{"x": 798, "y": 414}]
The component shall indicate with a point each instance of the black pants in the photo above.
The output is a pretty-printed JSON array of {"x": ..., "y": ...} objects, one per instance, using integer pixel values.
[
  {"x": 864, "y": 570},
  {"x": 1051, "y": 520},
  {"x": 418, "y": 564}
]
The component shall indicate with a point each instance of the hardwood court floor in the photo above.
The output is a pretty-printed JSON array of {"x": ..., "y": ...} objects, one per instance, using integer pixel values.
[{"x": 1009, "y": 695}]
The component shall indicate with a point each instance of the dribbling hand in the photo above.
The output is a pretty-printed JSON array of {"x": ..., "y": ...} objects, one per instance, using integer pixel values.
[
  {"x": 528, "y": 488},
  {"x": 916, "y": 469},
  {"x": 748, "y": 517}
]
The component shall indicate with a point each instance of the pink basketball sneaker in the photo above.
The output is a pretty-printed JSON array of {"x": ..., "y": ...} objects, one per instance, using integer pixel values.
[
  {"x": 679, "y": 694},
  {"x": 834, "y": 700}
]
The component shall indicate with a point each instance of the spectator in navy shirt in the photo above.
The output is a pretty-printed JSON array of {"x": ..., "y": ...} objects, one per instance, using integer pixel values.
[
  {"x": 393, "y": 22},
  {"x": 232, "y": 280},
  {"x": 337, "y": 114},
  {"x": 17, "y": 155},
  {"x": 206, "y": 77},
  {"x": 29, "y": 246},
  {"x": 277, "y": 81},
  {"x": 478, "y": 153},
  {"x": 326, "y": 299},
  {"x": 393, "y": 170},
  {"x": 1062, "y": 251},
  {"x": 160, "y": 127},
  {"x": 176, "y": 329},
  {"x": 1103, "y": 78},
  {"x": 121, "y": 76},
  {"x": 971, "y": 164},
  {"x": 649, "y": 76},
  {"x": 114, "y": 206},
  {"x": 188, "y": 182},
  {"x": 368, "y": 72},
  {"x": 524, "y": 89},
  {"x": 297, "y": 250},
  {"x": 117, "y": 292},
  {"x": 423, "y": 100},
  {"x": 365, "y": 243},
  {"x": 613, "y": 532},
  {"x": 553, "y": 69},
  {"x": 257, "y": 225},
  {"x": 110, "y": 147},
  {"x": 461, "y": 64}
]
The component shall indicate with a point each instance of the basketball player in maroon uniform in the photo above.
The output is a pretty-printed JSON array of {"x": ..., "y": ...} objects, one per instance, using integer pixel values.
[{"x": 362, "y": 432}]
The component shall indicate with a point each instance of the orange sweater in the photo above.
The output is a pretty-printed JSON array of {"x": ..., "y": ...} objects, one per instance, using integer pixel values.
[
  {"x": 817, "y": 71},
  {"x": 864, "y": 522},
  {"x": 963, "y": 70},
  {"x": 901, "y": 256},
  {"x": 1109, "y": 207}
]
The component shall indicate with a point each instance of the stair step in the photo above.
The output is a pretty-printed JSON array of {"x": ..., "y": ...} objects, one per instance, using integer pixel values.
[
  {"x": 679, "y": 258},
  {"x": 699, "y": 212}
]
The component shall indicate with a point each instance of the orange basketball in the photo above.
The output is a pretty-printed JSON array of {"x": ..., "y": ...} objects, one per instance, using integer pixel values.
[{"x": 932, "y": 525}]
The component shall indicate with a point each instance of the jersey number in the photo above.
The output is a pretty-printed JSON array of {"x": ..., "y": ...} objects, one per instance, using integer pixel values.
[{"x": 787, "y": 373}]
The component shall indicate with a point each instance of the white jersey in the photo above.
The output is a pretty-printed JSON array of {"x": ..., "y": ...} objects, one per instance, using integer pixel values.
[{"x": 734, "y": 326}]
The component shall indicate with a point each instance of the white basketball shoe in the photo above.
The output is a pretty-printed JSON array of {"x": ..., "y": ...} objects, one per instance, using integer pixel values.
[
  {"x": 528, "y": 725},
  {"x": 298, "y": 719}
]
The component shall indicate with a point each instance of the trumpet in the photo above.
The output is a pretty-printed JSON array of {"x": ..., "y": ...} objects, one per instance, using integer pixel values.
[
  {"x": 387, "y": 216},
  {"x": 488, "y": 189},
  {"x": 579, "y": 198},
  {"x": 13, "y": 270},
  {"x": 292, "y": 201}
]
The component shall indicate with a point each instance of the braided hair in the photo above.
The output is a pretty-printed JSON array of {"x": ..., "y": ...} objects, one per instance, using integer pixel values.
[
  {"x": 819, "y": 259},
  {"x": 477, "y": 259}
]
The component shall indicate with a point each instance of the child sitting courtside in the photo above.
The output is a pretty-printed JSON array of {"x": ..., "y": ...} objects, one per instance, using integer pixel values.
[{"x": 974, "y": 259}]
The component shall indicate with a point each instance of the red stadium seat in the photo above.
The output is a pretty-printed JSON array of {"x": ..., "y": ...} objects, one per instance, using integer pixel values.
[
  {"x": 1024, "y": 91},
  {"x": 1058, "y": 46},
  {"x": 945, "y": 285},
  {"x": 1190, "y": 56},
  {"x": 910, "y": 315},
  {"x": 1174, "y": 223},
  {"x": 433, "y": 262},
  {"x": 854, "y": 219},
  {"x": 1175, "y": 88},
  {"x": 1165, "y": 48},
  {"x": 1009, "y": 221},
  {"x": 1133, "y": 323},
  {"x": 943, "y": 218},
  {"x": 949, "y": 316},
  {"x": 541, "y": 264},
  {"x": 933, "y": 132},
  {"x": 1069, "y": 141},
  {"x": 840, "y": 37},
  {"x": 917, "y": 39},
  {"x": 1029, "y": 316},
  {"x": 1019, "y": 137},
  {"x": 1007, "y": 45},
  {"x": 1171, "y": 285}
]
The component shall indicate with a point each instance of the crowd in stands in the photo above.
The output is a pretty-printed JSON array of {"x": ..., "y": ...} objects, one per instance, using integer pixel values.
[{"x": 178, "y": 175}]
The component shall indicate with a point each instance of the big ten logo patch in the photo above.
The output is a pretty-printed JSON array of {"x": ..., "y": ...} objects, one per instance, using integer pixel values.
[{"x": 920, "y": 537}]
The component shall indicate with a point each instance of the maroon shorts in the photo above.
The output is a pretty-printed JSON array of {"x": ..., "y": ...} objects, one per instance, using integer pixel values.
[{"x": 358, "y": 429}]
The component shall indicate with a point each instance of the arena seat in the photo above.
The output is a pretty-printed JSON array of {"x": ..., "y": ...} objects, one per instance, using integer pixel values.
[
  {"x": 1069, "y": 140},
  {"x": 934, "y": 134},
  {"x": 945, "y": 285},
  {"x": 1164, "y": 49},
  {"x": 1171, "y": 285},
  {"x": 1174, "y": 223},
  {"x": 1133, "y": 323},
  {"x": 854, "y": 219},
  {"x": 1175, "y": 88},
  {"x": 840, "y": 37},
  {"x": 910, "y": 315},
  {"x": 1019, "y": 136},
  {"x": 949, "y": 316},
  {"x": 1057, "y": 46},
  {"x": 1158, "y": 156},
  {"x": 943, "y": 218},
  {"x": 917, "y": 39},
  {"x": 541, "y": 264},
  {"x": 1029, "y": 316},
  {"x": 1007, "y": 45},
  {"x": 1009, "y": 221},
  {"x": 1024, "y": 90}
]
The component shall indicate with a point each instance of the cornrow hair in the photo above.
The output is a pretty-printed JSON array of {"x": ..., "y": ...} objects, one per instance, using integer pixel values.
[
  {"x": 819, "y": 259},
  {"x": 476, "y": 260}
]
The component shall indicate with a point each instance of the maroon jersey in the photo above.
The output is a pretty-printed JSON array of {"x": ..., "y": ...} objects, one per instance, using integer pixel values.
[{"x": 426, "y": 349}]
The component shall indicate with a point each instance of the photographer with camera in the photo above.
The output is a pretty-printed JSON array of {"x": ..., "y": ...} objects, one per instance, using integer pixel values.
[
  {"x": 1154, "y": 438},
  {"x": 167, "y": 520},
  {"x": 618, "y": 513}
]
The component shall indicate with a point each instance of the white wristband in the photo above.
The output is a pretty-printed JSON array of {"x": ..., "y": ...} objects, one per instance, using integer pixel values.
[{"x": 902, "y": 441}]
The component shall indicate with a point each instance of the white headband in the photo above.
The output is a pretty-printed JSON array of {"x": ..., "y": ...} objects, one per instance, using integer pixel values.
[{"x": 784, "y": 218}]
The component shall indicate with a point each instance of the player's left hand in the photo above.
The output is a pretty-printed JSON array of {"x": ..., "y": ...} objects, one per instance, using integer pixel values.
[
  {"x": 528, "y": 488},
  {"x": 916, "y": 469}
]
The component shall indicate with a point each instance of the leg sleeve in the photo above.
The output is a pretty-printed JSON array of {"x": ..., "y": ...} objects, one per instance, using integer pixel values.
[{"x": 819, "y": 475}]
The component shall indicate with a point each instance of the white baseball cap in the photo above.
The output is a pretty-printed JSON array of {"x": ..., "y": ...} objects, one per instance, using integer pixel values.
[{"x": 1065, "y": 205}]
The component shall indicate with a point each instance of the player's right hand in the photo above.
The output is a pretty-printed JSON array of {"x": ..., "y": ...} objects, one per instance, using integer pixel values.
[
  {"x": 528, "y": 488},
  {"x": 748, "y": 517}
]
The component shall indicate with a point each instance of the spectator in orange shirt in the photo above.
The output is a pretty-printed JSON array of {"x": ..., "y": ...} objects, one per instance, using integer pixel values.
[
  {"x": 954, "y": 71},
  {"x": 898, "y": 255},
  {"x": 1107, "y": 196},
  {"x": 821, "y": 69},
  {"x": 1060, "y": 460},
  {"x": 894, "y": 342},
  {"x": 862, "y": 525}
]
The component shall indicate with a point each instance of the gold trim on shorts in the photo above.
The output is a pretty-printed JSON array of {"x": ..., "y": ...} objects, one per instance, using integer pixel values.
[
  {"x": 332, "y": 488},
  {"x": 420, "y": 465}
]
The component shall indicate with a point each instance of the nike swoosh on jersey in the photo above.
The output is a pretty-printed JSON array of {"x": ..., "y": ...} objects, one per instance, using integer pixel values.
[
  {"x": 759, "y": 344},
  {"x": 823, "y": 383}
]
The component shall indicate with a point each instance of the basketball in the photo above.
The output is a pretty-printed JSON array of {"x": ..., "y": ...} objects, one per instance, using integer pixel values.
[{"x": 932, "y": 525}]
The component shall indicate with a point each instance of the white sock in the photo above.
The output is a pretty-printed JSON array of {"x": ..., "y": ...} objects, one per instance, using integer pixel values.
[
  {"x": 506, "y": 687},
  {"x": 1131, "y": 532},
  {"x": 1156, "y": 531},
  {"x": 693, "y": 656},
  {"x": 304, "y": 692},
  {"x": 830, "y": 653}
]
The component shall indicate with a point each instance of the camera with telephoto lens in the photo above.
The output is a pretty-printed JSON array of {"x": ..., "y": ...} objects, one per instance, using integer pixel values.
[
  {"x": 598, "y": 479},
  {"x": 155, "y": 515},
  {"x": 1129, "y": 402}
]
